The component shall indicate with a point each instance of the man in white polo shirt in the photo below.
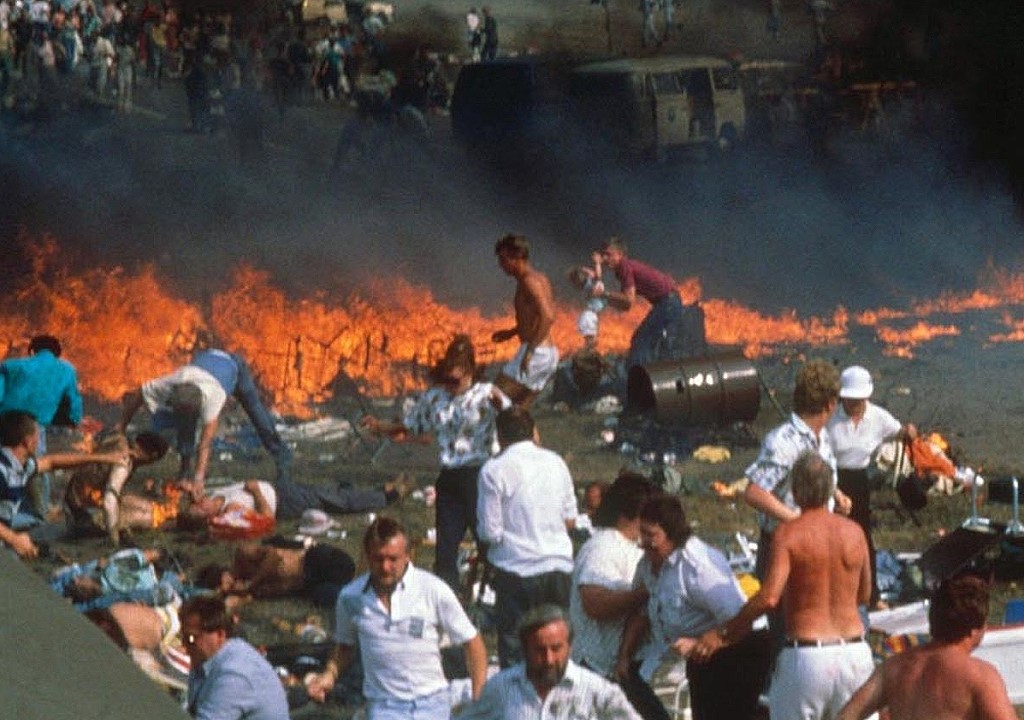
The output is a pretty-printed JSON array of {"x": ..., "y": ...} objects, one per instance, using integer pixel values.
[
  {"x": 397, "y": 615},
  {"x": 525, "y": 509}
]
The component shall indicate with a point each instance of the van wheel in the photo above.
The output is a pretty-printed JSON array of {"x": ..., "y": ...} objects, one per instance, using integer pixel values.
[{"x": 728, "y": 139}]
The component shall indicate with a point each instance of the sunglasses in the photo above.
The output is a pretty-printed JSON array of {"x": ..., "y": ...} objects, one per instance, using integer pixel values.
[{"x": 190, "y": 639}]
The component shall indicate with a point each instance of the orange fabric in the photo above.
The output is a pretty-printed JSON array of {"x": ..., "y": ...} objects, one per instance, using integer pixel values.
[
  {"x": 241, "y": 525},
  {"x": 929, "y": 459}
]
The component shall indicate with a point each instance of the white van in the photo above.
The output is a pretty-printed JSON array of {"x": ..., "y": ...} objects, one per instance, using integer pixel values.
[{"x": 652, "y": 105}]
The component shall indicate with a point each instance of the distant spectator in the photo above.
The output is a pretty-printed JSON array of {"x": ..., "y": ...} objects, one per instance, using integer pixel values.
[
  {"x": 490, "y": 36},
  {"x": 474, "y": 36}
]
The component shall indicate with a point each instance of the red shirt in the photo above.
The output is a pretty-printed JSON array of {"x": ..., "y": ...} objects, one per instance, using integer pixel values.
[{"x": 650, "y": 284}]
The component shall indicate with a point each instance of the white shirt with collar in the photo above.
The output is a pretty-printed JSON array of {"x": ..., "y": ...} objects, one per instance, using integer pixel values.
[
  {"x": 608, "y": 560},
  {"x": 400, "y": 649},
  {"x": 694, "y": 591},
  {"x": 526, "y": 497},
  {"x": 771, "y": 470},
  {"x": 855, "y": 443},
  {"x": 579, "y": 695}
]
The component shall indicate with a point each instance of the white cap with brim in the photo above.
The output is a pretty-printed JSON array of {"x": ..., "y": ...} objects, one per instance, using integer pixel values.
[{"x": 855, "y": 383}]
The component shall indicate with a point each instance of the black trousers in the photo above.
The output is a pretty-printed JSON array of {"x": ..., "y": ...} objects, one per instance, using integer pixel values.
[{"x": 856, "y": 485}]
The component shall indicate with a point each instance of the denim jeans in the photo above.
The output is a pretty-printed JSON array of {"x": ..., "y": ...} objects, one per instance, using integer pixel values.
[
  {"x": 294, "y": 498},
  {"x": 659, "y": 323},
  {"x": 436, "y": 706}
]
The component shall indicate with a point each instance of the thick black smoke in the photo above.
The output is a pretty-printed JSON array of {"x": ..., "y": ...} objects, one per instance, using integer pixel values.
[{"x": 923, "y": 209}]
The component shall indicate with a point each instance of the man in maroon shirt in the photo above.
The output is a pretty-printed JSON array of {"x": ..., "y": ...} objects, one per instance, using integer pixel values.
[{"x": 659, "y": 289}]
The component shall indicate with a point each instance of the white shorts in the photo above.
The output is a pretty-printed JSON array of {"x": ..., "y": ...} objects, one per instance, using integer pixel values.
[
  {"x": 588, "y": 323},
  {"x": 542, "y": 366},
  {"x": 815, "y": 682}
]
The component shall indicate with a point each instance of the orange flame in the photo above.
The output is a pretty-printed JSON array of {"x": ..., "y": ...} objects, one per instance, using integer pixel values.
[
  {"x": 121, "y": 328},
  {"x": 167, "y": 509}
]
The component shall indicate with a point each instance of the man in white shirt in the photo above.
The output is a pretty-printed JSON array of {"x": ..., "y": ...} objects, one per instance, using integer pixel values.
[
  {"x": 397, "y": 615},
  {"x": 195, "y": 395},
  {"x": 603, "y": 594},
  {"x": 525, "y": 509},
  {"x": 548, "y": 684}
]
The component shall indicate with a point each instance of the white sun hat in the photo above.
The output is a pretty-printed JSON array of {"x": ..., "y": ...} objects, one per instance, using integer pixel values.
[{"x": 855, "y": 383}]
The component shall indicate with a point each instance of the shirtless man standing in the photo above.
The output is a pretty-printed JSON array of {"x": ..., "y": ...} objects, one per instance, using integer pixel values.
[
  {"x": 525, "y": 375},
  {"x": 819, "y": 572},
  {"x": 940, "y": 680}
]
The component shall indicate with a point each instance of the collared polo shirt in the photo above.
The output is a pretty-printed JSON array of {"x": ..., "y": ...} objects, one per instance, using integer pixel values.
[
  {"x": 526, "y": 496},
  {"x": 580, "y": 694},
  {"x": 855, "y": 443},
  {"x": 400, "y": 649}
]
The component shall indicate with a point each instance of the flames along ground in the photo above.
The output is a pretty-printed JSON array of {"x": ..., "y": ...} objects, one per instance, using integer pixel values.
[{"x": 121, "y": 327}]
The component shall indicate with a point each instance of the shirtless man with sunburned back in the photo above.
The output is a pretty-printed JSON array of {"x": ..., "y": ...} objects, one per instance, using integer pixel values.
[
  {"x": 940, "y": 680},
  {"x": 818, "y": 570},
  {"x": 525, "y": 375}
]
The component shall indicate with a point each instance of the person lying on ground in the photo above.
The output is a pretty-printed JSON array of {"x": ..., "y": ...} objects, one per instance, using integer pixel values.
[
  {"x": 131, "y": 575},
  {"x": 261, "y": 571},
  {"x": 284, "y": 499},
  {"x": 93, "y": 497},
  {"x": 24, "y": 489},
  {"x": 940, "y": 680}
]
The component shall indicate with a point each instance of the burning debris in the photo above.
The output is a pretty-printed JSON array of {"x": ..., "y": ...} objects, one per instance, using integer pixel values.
[{"x": 380, "y": 340}]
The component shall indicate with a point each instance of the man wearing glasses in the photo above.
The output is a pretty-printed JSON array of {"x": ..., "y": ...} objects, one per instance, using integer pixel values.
[{"x": 229, "y": 679}]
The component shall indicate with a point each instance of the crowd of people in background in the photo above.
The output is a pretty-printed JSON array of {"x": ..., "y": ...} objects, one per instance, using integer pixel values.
[{"x": 66, "y": 53}]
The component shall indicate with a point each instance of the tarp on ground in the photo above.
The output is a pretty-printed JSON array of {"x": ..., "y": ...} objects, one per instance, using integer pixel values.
[{"x": 57, "y": 665}]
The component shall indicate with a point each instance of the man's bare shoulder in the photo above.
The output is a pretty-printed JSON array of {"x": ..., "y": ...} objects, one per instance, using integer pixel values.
[{"x": 536, "y": 281}]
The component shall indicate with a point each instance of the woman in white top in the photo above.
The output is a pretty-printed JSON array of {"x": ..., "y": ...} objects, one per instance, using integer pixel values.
[
  {"x": 856, "y": 429},
  {"x": 460, "y": 412}
]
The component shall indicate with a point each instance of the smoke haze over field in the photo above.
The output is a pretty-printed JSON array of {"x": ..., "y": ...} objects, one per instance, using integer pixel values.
[{"x": 874, "y": 223}]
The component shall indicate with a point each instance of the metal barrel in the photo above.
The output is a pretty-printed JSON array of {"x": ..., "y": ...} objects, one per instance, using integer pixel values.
[{"x": 710, "y": 390}]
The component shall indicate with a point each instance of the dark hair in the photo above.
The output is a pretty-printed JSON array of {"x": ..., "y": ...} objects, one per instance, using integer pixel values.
[
  {"x": 514, "y": 424},
  {"x": 186, "y": 398},
  {"x": 513, "y": 246},
  {"x": 614, "y": 243},
  {"x": 817, "y": 384},
  {"x": 959, "y": 605},
  {"x": 15, "y": 427},
  {"x": 381, "y": 531},
  {"x": 539, "y": 616},
  {"x": 45, "y": 342},
  {"x": 152, "y": 444},
  {"x": 105, "y": 621},
  {"x": 460, "y": 353},
  {"x": 209, "y": 576},
  {"x": 811, "y": 480},
  {"x": 624, "y": 498},
  {"x": 212, "y": 612},
  {"x": 666, "y": 511}
]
